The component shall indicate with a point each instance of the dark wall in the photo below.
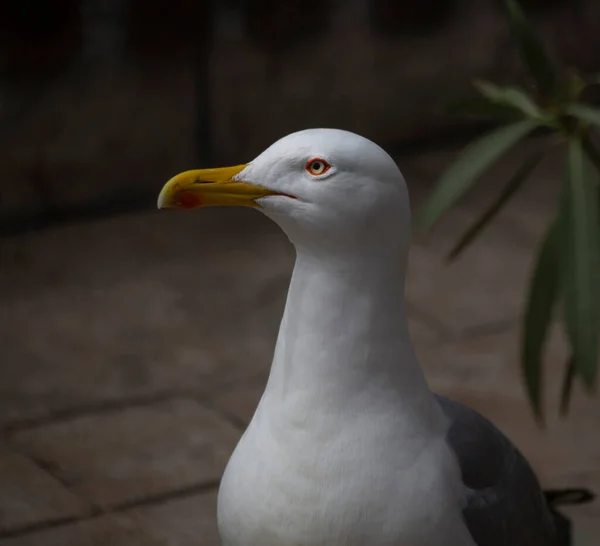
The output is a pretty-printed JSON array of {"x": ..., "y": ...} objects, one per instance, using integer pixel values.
[{"x": 102, "y": 100}]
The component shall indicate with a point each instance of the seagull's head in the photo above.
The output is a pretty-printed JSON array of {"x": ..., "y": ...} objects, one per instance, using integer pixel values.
[{"x": 326, "y": 188}]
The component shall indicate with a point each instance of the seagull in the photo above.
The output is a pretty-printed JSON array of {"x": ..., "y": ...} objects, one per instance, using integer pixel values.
[{"x": 348, "y": 445}]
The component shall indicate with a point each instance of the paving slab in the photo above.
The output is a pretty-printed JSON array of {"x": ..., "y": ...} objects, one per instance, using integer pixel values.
[
  {"x": 189, "y": 521},
  {"x": 484, "y": 287},
  {"x": 105, "y": 531},
  {"x": 585, "y": 529},
  {"x": 181, "y": 522},
  {"x": 29, "y": 495},
  {"x": 137, "y": 305},
  {"x": 488, "y": 363},
  {"x": 121, "y": 456},
  {"x": 239, "y": 400}
]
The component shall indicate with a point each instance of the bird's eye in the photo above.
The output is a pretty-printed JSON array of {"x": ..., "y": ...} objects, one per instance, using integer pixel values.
[{"x": 317, "y": 166}]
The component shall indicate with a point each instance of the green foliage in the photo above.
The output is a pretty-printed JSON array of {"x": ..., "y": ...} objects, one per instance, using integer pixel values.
[
  {"x": 580, "y": 263},
  {"x": 511, "y": 97},
  {"x": 567, "y": 387},
  {"x": 511, "y": 188},
  {"x": 531, "y": 50},
  {"x": 473, "y": 162},
  {"x": 479, "y": 107},
  {"x": 585, "y": 113},
  {"x": 539, "y": 312},
  {"x": 566, "y": 274}
]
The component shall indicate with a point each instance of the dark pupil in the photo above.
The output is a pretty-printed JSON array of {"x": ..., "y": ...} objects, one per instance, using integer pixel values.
[{"x": 317, "y": 165}]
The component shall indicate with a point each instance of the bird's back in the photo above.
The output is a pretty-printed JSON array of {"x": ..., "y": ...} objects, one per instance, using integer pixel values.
[{"x": 505, "y": 505}]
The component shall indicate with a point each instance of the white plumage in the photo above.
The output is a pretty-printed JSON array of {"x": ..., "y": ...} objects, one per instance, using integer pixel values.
[{"x": 348, "y": 446}]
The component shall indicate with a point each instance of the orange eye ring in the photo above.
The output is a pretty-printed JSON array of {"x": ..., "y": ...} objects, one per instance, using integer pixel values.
[{"x": 317, "y": 166}]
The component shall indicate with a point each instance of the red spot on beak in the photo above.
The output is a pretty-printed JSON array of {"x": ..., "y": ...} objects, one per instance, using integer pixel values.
[{"x": 190, "y": 201}]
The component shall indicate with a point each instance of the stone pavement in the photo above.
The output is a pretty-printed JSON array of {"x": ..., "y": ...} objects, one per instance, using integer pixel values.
[{"x": 133, "y": 351}]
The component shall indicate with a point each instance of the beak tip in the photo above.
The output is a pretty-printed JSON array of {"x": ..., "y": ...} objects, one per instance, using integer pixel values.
[{"x": 161, "y": 202}]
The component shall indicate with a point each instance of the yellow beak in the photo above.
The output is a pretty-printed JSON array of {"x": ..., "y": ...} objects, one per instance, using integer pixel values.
[{"x": 210, "y": 188}]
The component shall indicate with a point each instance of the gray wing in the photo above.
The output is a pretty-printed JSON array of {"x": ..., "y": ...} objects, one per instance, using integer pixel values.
[{"x": 505, "y": 503}]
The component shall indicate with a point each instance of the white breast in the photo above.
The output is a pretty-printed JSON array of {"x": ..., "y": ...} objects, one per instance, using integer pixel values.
[
  {"x": 347, "y": 447},
  {"x": 286, "y": 486}
]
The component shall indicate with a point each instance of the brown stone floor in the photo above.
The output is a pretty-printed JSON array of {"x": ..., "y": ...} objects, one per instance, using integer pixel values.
[{"x": 133, "y": 351}]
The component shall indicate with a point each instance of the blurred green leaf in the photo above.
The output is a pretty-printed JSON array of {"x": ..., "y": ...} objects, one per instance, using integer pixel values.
[
  {"x": 531, "y": 49},
  {"x": 585, "y": 113},
  {"x": 510, "y": 189},
  {"x": 567, "y": 386},
  {"x": 481, "y": 108},
  {"x": 575, "y": 85},
  {"x": 539, "y": 310},
  {"x": 473, "y": 161},
  {"x": 513, "y": 97},
  {"x": 580, "y": 249}
]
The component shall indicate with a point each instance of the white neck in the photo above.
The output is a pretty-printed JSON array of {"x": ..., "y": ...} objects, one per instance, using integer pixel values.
[
  {"x": 344, "y": 339},
  {"x": 345, "y": 424}
]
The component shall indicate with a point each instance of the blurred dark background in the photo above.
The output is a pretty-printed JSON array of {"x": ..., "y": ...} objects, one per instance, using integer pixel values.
[
  {"x": 101, "y": 100},
  {"x": 134, "y": 345}
]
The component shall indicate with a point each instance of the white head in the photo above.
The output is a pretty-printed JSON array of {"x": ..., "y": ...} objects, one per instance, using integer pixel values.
[{"x": 329, "y": 190}]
